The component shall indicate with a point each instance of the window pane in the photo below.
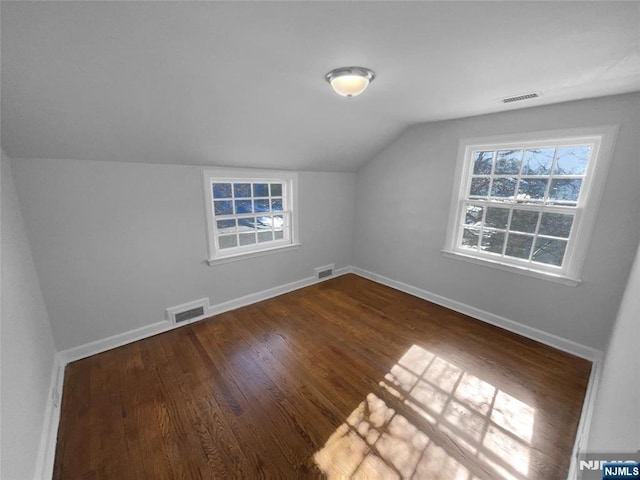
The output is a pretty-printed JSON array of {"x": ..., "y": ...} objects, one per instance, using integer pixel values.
[
  {"x": 532, "y": 189},
  {"x": 276, "y": 189},
  {"x": 562, "y": 189},
  {"x": 246, "y": 224},
  {"x": 556, "y": 224},
  {"x": 482, "y": 163},
  {"x": 508, "y": 162},
  {"x": 243, "y": 206},
  {"x": 479, "y": 187},
  {"x": 242, "y": 190},
  {"x": 524, "y": 221},
  {"x": 519, "y": 246},
  {"x": 265, "y": 237},
  {"x": 538, "y": 161},
  {"x": 474, "y": 215},
  {"x": 226, "y": 226},
  {"x": 503, "y": 187},
  {"x": 522, "y": 201},
  {"x": 549, "y": 251},
  {"x": 223, "y": 207},
  {"x": 572, "y": 160},
  {"x": 470, "y": 238},
  {"x": 221, "y": 190},
  {"x": 497, "y": 217},
  {"x": 247, "y": 238},
  {"x": 261, "y": 205},
  {"x": 260, "y": 189},
  {"x": 492, "y": 241},
  {"x": 264, "y": 223},
  {"x": 227, "y": 241},
  {"x": 249, "y": 214}
]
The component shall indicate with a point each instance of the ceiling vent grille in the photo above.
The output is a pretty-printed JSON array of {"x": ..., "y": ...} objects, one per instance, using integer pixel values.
[{"x": 519, "y": 98}]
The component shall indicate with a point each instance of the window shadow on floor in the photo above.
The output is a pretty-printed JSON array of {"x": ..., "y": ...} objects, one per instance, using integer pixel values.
[{"x": 431, "y": 419}]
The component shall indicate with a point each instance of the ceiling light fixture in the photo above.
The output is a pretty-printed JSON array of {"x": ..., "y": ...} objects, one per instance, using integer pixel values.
[{"x": 350, "y": 81}]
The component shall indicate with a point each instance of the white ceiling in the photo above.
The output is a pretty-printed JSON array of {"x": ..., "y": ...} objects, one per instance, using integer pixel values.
[{"x": 241, "y": 83}]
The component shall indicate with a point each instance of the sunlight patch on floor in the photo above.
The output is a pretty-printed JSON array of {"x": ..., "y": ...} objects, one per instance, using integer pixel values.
[{"x": 432, "y": 419}]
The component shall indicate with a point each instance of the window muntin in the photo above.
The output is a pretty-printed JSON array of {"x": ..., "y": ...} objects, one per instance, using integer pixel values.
[
  {"x": 249, "y": 213},
  {"x": 529, "y": 204},
  {"x": 521, "y": 202},
  {"x": 527, "y": 234},
  {"x": 550, "y": 176}
]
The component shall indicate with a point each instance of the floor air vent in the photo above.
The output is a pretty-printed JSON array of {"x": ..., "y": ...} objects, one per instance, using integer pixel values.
[
  {"x": 519, "y": 98},
  {"x": 197, "y": 309},
  {"x": 323, "y": 272}
]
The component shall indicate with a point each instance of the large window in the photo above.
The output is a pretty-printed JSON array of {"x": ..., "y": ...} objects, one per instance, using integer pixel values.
[
  {"x": 249, "y": 212},
  {"x": 529, "y": 204}
]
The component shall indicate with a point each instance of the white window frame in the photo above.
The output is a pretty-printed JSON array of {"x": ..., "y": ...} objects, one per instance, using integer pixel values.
[
  {"x": 602, "y": 140},
  {"x": 225, "y": 175}
]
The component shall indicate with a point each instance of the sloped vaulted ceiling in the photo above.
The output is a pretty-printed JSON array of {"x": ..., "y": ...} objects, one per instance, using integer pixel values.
[{"x": 241, "y": 83}]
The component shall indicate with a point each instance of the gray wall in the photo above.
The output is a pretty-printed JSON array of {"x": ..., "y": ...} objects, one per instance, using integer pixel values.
[
  {"x": 402, "y": 205},
  {"x": 616, "y": 418},
  {"x": 26, "y": 343},
  {"x": 117, "y": 243}
]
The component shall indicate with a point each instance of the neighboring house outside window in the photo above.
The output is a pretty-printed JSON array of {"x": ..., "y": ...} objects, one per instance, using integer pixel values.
[
  {"x": 527, "y": 203},
  {"x": 249, "y": 212}
]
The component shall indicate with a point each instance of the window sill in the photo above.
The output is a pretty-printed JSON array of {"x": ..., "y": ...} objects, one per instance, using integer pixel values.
[
  {"x": 246, "y": 255},
  {"x": 564, "y": 280}
]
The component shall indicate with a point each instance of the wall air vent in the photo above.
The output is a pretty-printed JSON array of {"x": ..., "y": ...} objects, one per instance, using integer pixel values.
[
  {"x": 195, "y": 310},
  {"x": 519, "y": 98},
  {"x": 323, "y": 272},
  {"x": 189, "y": 314}
]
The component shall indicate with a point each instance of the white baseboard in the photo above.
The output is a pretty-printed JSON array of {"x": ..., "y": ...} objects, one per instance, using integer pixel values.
[
  {"x": 550, "y": 339},
  {"x": 44, "y": 467},
  {"x": 48, "y": 437},
  {"x": 99, "y": 346},
  {"x": 272, "y": 292},
  {"x": 569, "y": 346},
  {"x": 47, "y": 447},
  {"x": 582, "y": 435}
]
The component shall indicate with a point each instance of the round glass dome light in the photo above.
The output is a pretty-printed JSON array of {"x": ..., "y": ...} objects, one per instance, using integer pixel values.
[{"x": 350, "y": 81}]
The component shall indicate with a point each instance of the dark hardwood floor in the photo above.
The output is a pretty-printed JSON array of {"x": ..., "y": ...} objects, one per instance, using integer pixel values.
[{"x": 344, "y": 378}]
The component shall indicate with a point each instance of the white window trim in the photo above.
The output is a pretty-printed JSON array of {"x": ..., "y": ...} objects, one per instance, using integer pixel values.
[
  {"x": 291, "y": 178},
  {"x": 588, "y": 202}
]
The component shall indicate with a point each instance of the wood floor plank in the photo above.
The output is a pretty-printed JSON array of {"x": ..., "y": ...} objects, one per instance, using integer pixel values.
[{"x": 343, "y": 378}]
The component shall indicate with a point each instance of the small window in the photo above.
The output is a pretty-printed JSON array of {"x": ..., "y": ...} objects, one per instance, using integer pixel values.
[
  {"x": 249, "y": 212},
  {"x": 529, "y": 204}
]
